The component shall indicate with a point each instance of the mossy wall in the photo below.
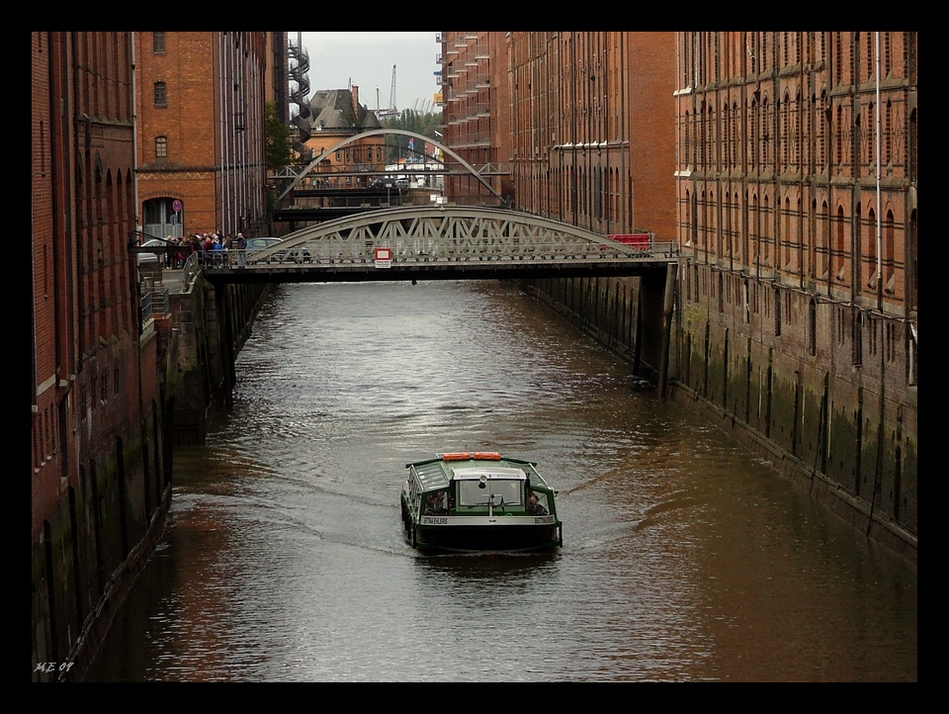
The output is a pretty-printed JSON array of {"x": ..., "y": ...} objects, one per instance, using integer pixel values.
[{"x": 837, "y": 417}]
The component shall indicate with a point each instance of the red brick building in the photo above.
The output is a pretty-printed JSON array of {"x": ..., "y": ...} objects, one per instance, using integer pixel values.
[
  {"x": 200, "y": 99},
  {"x": 784, "y": 164},
  {"x": 796, "y": 190},
  {"x": 336, "y": 115},
  {"x": 474, "y": 100},
  {"x": 570, "y": 125},
  {"x": 98, "y": 466}
]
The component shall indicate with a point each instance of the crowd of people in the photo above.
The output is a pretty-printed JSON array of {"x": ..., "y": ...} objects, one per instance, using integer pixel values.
[{"x": 206, "y": 245}]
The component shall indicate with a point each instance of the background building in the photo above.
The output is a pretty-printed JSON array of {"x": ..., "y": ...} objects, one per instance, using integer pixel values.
[
  {"x": 200, "y": 102},
  {"x": 337, "y": 115},
  {"x": 475, "y": 111},
  {"x": 569, "y": 125},
  {"x": 592, "y": 141}
]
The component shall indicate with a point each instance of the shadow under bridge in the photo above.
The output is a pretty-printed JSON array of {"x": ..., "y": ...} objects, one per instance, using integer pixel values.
[{"x": 440, "y": 242}]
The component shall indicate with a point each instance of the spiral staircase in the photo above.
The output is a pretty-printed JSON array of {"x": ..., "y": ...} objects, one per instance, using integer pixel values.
[{"x": 299, "y": 69}]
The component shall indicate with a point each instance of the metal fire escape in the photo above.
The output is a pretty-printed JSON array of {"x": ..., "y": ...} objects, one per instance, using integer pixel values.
[{"x": 299, "y": 68}]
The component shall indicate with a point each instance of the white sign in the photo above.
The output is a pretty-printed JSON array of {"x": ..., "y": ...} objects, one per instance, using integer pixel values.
[{"x": 383, "y": 257}]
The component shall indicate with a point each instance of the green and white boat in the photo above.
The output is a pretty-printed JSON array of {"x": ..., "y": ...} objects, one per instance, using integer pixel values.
[{"x": 479, "y": 501}]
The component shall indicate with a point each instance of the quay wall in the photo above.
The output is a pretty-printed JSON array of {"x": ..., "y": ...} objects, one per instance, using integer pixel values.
[
  {"x": 211, "y": 329},
  {"x": 108, "y": 525},
  {"x": 108, "y": 520},
  {"x": 845, "y": 433}
]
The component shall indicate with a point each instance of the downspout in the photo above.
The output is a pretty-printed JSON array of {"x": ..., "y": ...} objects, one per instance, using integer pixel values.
[
  {"x": 222, "y": 76},
  {"x": 138, "y": 213},
  {"x": 879, "y": 207},
  {"x": 878, "y": 467}
]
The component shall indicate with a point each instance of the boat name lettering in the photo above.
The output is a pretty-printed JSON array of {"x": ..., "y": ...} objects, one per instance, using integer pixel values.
[{"x": 434, "y": 521}]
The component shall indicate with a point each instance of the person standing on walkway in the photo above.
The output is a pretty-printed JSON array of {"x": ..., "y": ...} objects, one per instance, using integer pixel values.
[
  {"x": 168, "y": 258},
  {"x": 241, "y": 243}
]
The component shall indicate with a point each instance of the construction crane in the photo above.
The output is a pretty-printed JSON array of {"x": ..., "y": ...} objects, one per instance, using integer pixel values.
[
  {"x": 391, "y": 111},
  {"x": 392, "y": 93}
]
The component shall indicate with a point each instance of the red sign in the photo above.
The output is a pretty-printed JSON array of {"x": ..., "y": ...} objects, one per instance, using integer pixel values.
[
  {"x": 640, "y": 240},
  {"x": 383, "y": 257}
]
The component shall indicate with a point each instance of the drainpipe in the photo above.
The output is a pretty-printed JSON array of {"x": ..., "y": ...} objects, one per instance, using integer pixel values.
[
  {"x": 133, "y": 37},
  {"x": 879, "y": 207}
]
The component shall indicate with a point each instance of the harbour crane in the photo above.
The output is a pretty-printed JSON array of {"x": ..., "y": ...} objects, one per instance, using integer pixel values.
[
  {"x": 392, "y": 93},
  {"x": 391, "y": 110}
]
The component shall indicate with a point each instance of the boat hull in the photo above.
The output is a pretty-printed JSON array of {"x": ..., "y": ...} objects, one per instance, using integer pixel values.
[{"x": 486, "y": 537}]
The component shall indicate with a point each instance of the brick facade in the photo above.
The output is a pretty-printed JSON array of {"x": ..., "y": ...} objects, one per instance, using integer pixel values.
[
  {"x": 571, "y": 121},
  {"x": 799, "y": 293},
  {"x": 99, "y": 485},
  {"x": 200, "y": 100}
]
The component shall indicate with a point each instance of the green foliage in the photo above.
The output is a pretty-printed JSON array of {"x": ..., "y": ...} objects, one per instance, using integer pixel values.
[
  {"x": 410, "y": 120},
  {"x": 277, "y": 140}
]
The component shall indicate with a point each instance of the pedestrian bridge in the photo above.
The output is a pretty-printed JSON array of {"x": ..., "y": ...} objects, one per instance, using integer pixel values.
[{"x": 440, "y": 242}]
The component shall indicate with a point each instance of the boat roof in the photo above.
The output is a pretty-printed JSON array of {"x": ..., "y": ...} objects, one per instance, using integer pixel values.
[
  {"x": 435, "y": 474},
  {"x": 475, "y": 473}
]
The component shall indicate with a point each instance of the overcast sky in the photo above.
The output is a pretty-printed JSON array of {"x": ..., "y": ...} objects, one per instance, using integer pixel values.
[{"x": 366, "y": 60}]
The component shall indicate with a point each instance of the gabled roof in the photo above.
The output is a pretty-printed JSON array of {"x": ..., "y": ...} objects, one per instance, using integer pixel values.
[{"x": 333, "y": 111}]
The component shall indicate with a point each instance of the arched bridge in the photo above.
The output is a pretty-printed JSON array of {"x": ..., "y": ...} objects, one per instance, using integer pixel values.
[{"x": 440, "y": 242}]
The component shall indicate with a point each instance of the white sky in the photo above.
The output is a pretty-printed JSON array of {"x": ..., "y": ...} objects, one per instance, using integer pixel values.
[{"x": 366, "y": 59}]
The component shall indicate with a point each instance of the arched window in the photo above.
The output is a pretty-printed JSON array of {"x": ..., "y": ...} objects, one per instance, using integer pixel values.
[
  {"x": 786, "y": 233},
  {"x": 785, "y": 135},
  {"x": 812, "y": 326},
  {"x": 870, "y": 247},
  {"x": 888, "y": 134},
  {"x": 765, "y": 233},
  {"x": 161, "y": 219},
  {"x": 839, "y": 136},
  {"x": 837, "y": 257},
  {"x": 161, "y": 147},
  {"x": 889, "y": 253}
]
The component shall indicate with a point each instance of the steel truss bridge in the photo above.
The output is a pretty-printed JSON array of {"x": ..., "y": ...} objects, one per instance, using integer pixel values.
[{"x": 441, "y": 242}]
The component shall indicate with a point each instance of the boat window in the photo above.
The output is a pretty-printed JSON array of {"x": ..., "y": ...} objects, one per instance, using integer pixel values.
[
  {"x": 470, "y": 493},
  {"x": 436, "y": 503},
  {"x": 537, "y": 503}
]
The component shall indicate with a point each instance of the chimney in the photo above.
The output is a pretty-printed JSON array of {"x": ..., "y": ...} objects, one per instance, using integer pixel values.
[{"x": 356, "y": 100}]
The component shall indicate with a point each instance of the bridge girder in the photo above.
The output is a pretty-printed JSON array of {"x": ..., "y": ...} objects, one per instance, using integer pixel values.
[{"x": 450, "y": 241}]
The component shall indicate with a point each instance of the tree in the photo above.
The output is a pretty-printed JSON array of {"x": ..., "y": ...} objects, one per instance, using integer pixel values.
[
  {"x": 277, "y": 140},
  {"x": 411, "y": 120}
]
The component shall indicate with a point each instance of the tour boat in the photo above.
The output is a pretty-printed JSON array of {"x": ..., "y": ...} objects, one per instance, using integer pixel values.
[{"x": 479, "y": 501}]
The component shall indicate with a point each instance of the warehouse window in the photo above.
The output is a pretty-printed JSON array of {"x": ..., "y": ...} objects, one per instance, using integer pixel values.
[
  {"x": 812, "y": 327},
  {"x": 161, "y": 147},
  {"x": 161, "y": 98}
]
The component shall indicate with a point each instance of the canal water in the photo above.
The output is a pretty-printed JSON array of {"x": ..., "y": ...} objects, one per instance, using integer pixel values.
[{"x": 685, "y": 558}]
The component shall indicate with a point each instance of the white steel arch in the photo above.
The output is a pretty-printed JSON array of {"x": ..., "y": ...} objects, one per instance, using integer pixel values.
[{"x": 377, "y": 132}]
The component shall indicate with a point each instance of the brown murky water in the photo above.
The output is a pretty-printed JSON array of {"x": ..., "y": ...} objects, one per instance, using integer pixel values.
[{"x": 684, "y": 558}]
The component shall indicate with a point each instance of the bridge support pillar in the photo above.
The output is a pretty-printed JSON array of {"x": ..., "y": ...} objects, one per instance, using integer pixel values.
[{"x": 668, "y": 305}]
